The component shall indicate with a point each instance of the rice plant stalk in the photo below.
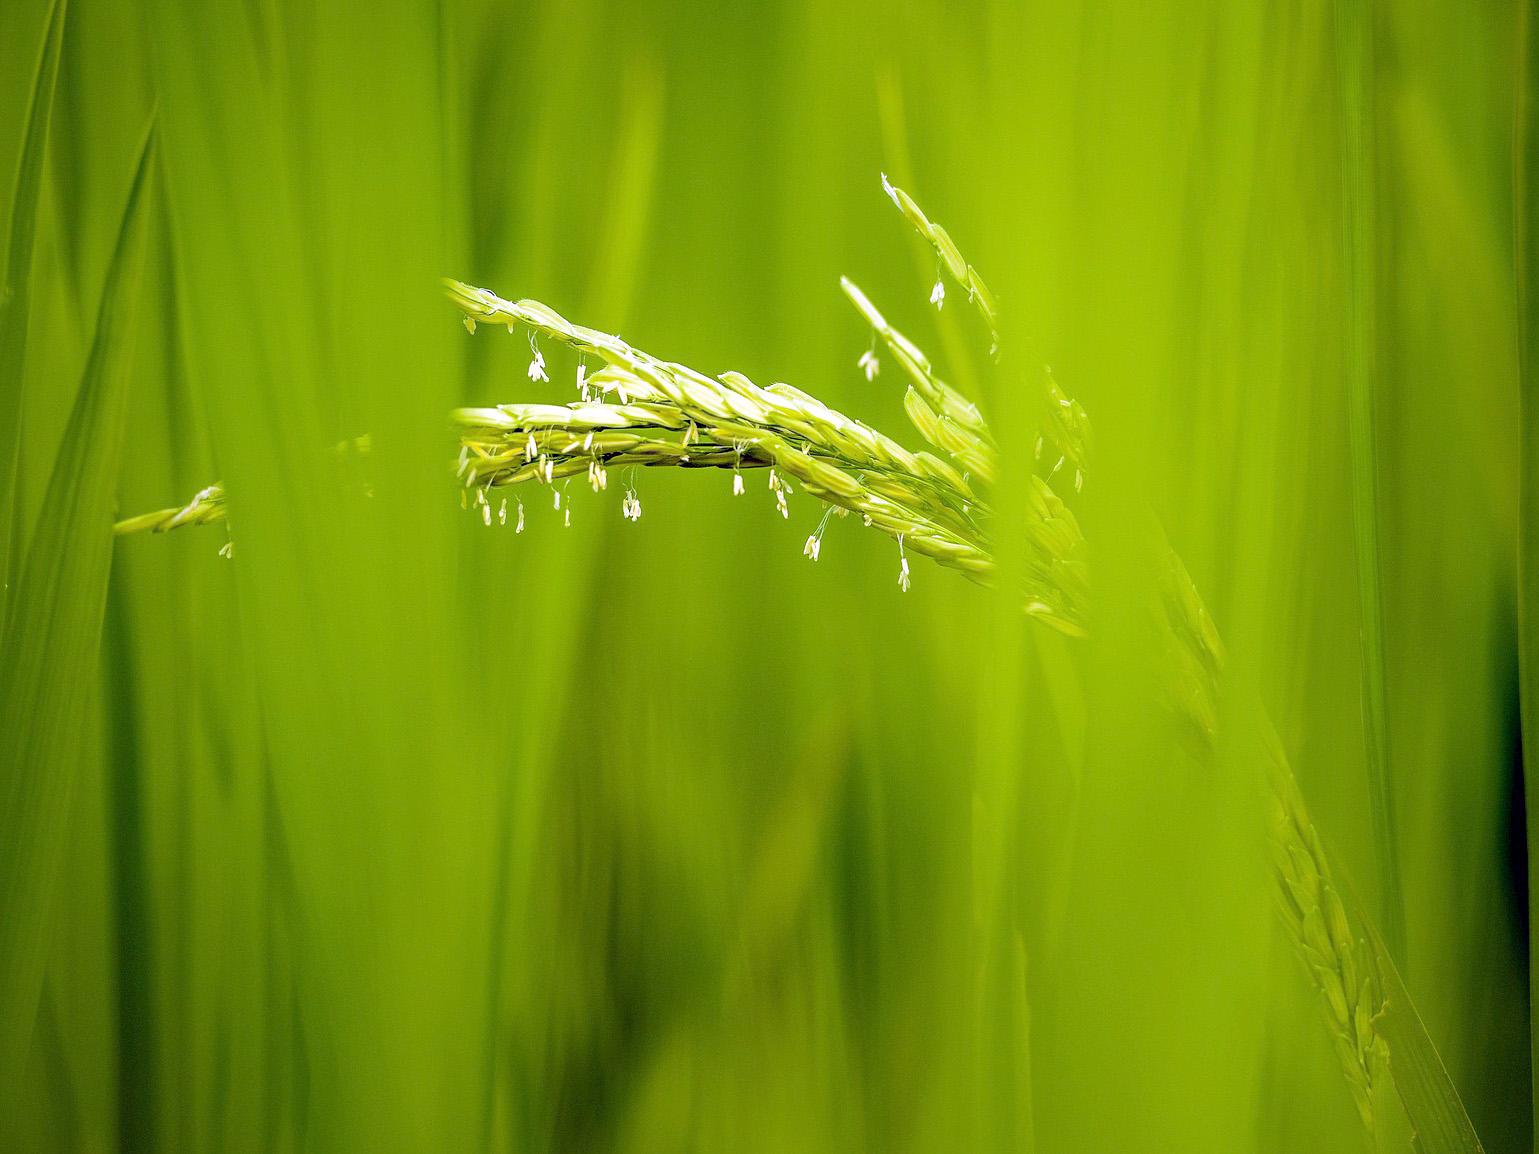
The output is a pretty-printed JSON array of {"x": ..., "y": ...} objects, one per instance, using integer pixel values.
[
  {"x": 1354, "y": 44},
  {"x": 15, "y": 291},
  {"x": 52, "y": 638},
  {"x": 1525, "y": 200}
]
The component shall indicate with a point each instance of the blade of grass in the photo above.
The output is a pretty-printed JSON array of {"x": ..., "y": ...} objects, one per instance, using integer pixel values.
[
  {"x": 15, "y": 290},
  {"x": 1354, "y": 46},
  {"x": 1525, "y": 138},
  {"x": 1442, "y": 1126},
  {"x": 52, "y": 639}
]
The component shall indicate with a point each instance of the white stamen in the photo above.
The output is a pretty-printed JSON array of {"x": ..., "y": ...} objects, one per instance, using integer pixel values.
[
  {"x": 869, "y": 364},
  {"x": 938, "y": 293},
  {"x": 502, "y": 512},
  {"x": 537, "y": 365},
  {"x": 519, "y": 528},
  {"x": 737, "y": 484}
]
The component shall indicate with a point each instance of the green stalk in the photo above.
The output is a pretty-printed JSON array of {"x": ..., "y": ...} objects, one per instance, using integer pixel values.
[
  {"x": 1354, "y": 47},
  {"x": 15, "y": 293},
  {"x": 52, "y": 642},
  {"x": 1525, "y": 138}
]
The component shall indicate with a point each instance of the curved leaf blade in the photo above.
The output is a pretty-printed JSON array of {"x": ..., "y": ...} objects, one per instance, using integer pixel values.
[
  {"x": 14, "y": 290},
  {"x": 53, "y": 635}
]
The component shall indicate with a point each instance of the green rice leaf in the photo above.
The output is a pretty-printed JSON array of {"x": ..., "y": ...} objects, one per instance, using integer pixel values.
[
  {"x": 1440, "y": 1122},
  {"x": 1525, "y": 222},
  {"x": 14, "y": 291},
  {"x": 53, "y": 637},
  {"x": 1355, "y": 59}
]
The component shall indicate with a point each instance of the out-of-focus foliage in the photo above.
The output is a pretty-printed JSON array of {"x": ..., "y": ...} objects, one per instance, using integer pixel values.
[{"x": 396, "y": 832}]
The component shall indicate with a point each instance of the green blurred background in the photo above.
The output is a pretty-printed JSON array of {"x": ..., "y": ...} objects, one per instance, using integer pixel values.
[{"x": 395, "y": 833}]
